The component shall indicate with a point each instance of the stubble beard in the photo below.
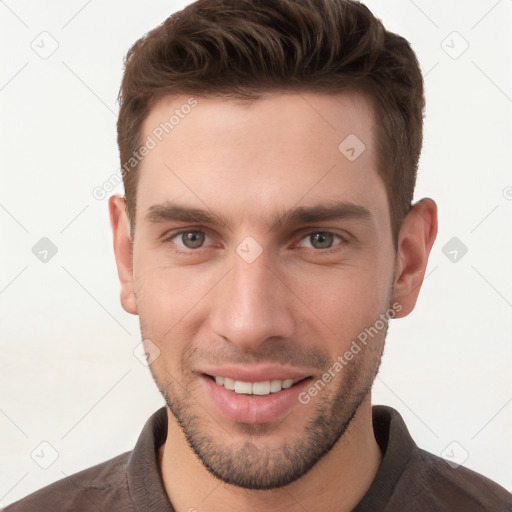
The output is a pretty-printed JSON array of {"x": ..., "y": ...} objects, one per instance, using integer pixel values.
[{"x": 250, "y": 466}]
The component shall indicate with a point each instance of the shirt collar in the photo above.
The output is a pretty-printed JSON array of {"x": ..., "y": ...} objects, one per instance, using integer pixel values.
[
  {"x": 148, "y": 493},
  {"x": 144, "y": 479}
]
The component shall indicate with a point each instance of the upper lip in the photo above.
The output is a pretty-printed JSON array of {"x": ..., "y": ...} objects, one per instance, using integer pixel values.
[{"x": 255, "y": 373}]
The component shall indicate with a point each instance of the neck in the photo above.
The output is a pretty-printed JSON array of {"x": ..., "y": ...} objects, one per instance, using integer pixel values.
[{"x": 337, "y": 482}]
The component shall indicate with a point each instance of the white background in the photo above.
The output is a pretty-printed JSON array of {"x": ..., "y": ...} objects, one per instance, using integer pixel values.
[{"x": 69, "y": 375}]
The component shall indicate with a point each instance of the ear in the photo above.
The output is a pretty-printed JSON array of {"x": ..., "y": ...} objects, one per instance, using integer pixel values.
[
  {"x": 415, "y": 241},
  {"x": 123, "y": 251}
]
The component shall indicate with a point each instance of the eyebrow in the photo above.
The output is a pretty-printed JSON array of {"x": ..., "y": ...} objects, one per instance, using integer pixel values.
[
  {"x": 322, "y": 212},
  {"x": 169, "y": 211}
]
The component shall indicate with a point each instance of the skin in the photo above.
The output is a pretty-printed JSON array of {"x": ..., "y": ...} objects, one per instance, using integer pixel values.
[{"x": 298, "y": 304}]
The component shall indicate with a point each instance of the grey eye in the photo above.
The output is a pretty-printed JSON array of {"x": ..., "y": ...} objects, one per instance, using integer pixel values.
[
  {"x": 321, "y": 240},
  {"x": 192, "y": 239}
]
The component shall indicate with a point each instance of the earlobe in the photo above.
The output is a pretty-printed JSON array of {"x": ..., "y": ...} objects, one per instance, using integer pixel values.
[
  {"x": 123, "y": 251},
  {"x": 416, "y": 238}
]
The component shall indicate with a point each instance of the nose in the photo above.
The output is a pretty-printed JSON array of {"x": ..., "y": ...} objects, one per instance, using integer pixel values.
[{"x": 252, "y": 305}]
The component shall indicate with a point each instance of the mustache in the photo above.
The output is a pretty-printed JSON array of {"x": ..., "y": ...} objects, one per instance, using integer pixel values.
[{"x": 283, "y": 352}]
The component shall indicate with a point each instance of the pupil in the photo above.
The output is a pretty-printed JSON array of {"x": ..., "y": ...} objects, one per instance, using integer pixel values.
[
  {"x": 193, "y": 239},
  {"x": 322, "y": 240}
]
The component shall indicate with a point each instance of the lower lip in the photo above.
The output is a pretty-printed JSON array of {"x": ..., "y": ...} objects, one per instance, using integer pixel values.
[{"x": 253, "y": 408}]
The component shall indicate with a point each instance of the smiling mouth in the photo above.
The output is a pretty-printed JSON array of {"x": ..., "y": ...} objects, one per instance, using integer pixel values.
[{"x": 262, "y": 388}]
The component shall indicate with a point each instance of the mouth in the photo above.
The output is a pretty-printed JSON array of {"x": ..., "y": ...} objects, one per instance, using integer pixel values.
[
  {"x": 258, "y": 401},
  {"x": 262, "y": 388}
]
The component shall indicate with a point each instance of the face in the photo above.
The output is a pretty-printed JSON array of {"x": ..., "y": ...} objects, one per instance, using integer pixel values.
[{"x": 261, "y": 253}]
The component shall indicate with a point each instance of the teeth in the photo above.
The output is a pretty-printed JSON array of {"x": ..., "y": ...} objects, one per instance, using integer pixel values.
[
  {"x": 261, "y": 388},
  {"x": 255, "y": 388},
  {"x": 288, "y": 383},
  {"x": 275, "y": 386},
  {"x": 229, "y": 383},
  {"x": 243, "y": 387}
]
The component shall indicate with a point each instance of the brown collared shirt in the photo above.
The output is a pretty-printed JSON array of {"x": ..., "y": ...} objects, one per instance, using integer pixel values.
[{"x": 408, "y": 480}]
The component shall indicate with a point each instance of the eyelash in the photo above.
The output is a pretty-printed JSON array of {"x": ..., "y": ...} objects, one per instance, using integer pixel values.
[
  {"x": 330, "y": 250},
  {"x": 168, "y": 237}
]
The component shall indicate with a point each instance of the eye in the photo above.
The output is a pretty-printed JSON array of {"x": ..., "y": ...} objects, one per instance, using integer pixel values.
[
  {"x": 189, "y": 239},
  {"x": 321, "y": 240}
]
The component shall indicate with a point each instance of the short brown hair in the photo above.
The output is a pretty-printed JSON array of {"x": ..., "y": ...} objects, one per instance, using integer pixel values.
[{"x": 241, "y": 49}]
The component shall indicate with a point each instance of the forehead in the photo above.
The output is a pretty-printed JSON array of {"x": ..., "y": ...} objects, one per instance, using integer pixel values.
[{"x": 261, "y": 156}]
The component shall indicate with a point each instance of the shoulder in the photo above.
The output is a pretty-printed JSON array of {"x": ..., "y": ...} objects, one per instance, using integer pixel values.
[
  {"x": 412, "y": 479},
  {"x": 452, "y": 488},
  {"x": 102, "y": 487}
]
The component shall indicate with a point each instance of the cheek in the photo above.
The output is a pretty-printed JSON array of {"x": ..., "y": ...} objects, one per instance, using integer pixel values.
[
  {"x": 350, "y": 300},
  {"x": 168, "y": 299}
]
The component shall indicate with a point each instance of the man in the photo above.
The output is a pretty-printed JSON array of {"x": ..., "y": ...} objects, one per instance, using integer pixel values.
[{"x": 269, "y": 153}]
